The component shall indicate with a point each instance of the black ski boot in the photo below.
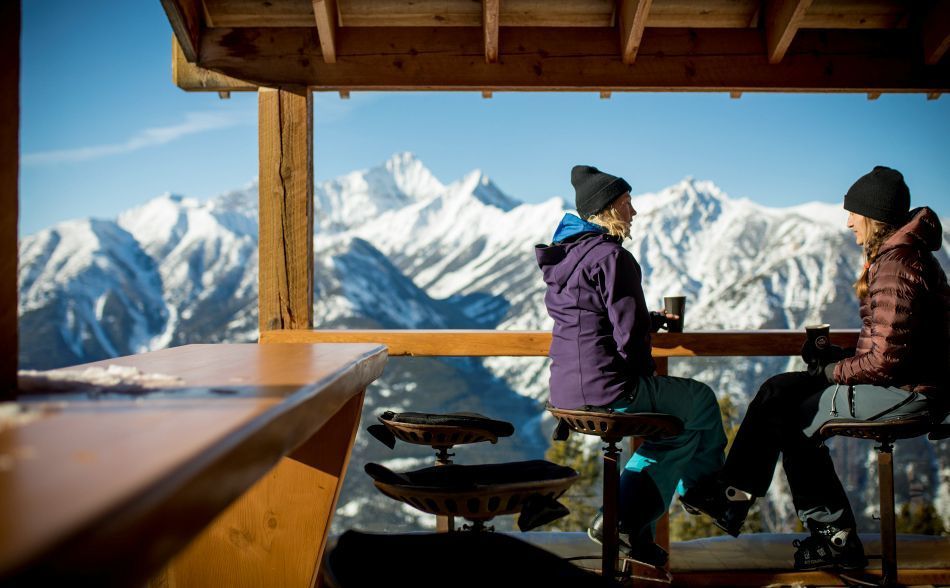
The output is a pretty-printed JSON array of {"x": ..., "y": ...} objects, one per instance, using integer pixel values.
[
  {"x": 727, "y": 505},
  {"x": 829, "y": 546}
]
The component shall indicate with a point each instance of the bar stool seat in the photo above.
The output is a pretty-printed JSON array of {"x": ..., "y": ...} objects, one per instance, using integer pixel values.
[
  {"x": 886, "y": 432},
  {"x": 439, "y": 430},
  {"x": 481, "y": 492},
  {"x": 612, "y": 427}
]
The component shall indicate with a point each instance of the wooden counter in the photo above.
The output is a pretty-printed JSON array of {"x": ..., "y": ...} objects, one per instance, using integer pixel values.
[{"x": 105, "y": 490}]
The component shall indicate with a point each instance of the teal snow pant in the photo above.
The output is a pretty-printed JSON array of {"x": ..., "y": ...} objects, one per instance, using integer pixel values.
[{"x": 661, "y": 466}]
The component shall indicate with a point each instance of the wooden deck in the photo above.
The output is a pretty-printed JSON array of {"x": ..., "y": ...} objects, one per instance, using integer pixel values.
[{"x": 763, "y": 559}]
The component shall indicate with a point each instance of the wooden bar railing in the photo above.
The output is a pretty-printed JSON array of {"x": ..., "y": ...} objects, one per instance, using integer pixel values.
[{"x": 485, "y": 343}]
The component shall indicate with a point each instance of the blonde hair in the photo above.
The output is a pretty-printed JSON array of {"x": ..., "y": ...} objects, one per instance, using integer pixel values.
[
  {"x": 877, "y": 233},
  {"x": 609, "y": 218}
]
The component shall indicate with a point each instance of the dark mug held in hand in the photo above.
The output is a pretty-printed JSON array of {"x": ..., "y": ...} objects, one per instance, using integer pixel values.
[{"x": 675, "y": 305}]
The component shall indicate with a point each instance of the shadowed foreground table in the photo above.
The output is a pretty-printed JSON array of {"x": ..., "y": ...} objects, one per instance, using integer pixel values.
[{"x": 106, "y": 489}]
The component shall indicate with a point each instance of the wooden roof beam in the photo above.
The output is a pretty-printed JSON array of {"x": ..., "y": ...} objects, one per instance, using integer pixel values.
[
  {"x": 581, "y": 59},
  {"x": 490, "y": 20},
  {"x": 633, "y": 19},
  {"x": 783, "y": 18},
  {"x": 185, "y": 19},
  {"x": 324, "y": 11},
  {"x": 936, "y": 32},
  {"x": 194, "y": 78}
]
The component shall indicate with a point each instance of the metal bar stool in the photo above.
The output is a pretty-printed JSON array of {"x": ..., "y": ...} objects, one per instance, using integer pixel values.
[
  {"x": 612, "y": 427},
  {"x": 886, "y": 433},
  {"x": 441, "y": 432},
  {"x": 479, "y": 493}
]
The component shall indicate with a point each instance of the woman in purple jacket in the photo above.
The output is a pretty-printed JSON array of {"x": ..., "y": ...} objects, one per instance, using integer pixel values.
[{"x": 600, "y": 356}]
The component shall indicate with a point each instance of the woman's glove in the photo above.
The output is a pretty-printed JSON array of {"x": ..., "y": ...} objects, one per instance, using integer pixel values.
[
  {"x": 821, "y": 362},
  {"x": 660, "y": 320}
]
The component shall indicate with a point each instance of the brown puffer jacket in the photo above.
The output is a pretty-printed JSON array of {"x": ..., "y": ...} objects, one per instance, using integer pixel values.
[{"x": 905, "y": 333}]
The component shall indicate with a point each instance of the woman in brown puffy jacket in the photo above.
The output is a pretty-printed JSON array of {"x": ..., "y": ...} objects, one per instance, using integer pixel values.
[{"x": 899, "y": 368}]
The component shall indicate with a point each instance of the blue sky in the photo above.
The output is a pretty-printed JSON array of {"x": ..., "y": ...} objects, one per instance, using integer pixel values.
[{"x": 104, "y": 129}]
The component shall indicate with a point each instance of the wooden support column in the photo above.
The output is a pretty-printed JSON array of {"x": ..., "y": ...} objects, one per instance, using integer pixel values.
[
  {"x": 275, "y": 534},
  {"x": 633, "y": 19},
  {"x": 9, "y": 199},
  {"x": 783, "y": 18},
  {"x": 285, "y": 260}
]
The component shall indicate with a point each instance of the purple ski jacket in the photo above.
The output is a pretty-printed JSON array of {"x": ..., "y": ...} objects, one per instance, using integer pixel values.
[{"x": 601, "y": 321}]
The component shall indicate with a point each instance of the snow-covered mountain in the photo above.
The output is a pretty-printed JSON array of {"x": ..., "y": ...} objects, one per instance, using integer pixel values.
[{"x": 397, "y": 248}]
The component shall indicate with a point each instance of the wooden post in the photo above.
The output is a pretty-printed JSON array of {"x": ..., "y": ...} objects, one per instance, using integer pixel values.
[
  {"x": 286, "y": 209},
  {"x": 9, "y": 200}
]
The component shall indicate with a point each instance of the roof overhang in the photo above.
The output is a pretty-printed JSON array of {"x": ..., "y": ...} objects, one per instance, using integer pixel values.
[{"x": 589, "y": 45}]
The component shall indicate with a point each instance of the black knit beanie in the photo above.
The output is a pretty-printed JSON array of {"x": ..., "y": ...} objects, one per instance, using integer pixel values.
[
  {"x": 881, "y": 195},
  {"x": 594, "y": 189}
]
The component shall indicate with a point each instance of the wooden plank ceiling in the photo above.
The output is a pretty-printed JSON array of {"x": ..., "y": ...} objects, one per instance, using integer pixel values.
[{"x": 869, "y": 46}]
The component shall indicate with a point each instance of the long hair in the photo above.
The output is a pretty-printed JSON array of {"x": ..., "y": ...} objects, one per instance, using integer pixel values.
[
  {"x": 610, "y": 219},
  {"x": 877, "y": 233}
]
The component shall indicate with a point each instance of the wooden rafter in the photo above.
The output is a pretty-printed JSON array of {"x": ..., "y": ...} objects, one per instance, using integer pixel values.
[
  {"x": 565, "y": 59},
  {"x": 936, "y": 32},
  {"x": 185, "y": 19},
  {"x": 324, "y": 11},
  {"x": 490, "y": 23},
  {"x": 783, "y": 18},
  {"x": 633, "y": 19}
]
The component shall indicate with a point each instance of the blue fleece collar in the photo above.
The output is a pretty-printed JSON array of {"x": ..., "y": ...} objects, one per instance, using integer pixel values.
[{"x": 572, "y": 225}]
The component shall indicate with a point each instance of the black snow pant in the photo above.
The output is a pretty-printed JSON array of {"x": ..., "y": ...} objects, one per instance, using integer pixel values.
[{"x": 783, "y": 419}]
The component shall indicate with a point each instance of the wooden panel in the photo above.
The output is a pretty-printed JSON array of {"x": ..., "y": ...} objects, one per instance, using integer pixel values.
[
  {"x": 410, "y": 13},
  {"x": 455, "y": 343},
  {"x": 490, "y": 29},
  {"x": 275, "y": 534},
  {"x": 198, "y": 79},
  {"x": 324, "y": 12},
  {"x": 782, "y": 21},
  {"x": 286, "y": 209},
  {"x": 185, "y": 19},
  {"x": 563, "y": 13},
  {"x": 856, "y": 14},
  {"x": 703, "y": 14},
  {"x": 936, "y": 32},
  {"x": 633, "y": 18},
  {"x": 104, "y": 492},
  {"x": 575, "y": 59},
  {"x": 9, "y": 198},
  {"x": 415, "y": 13},
  {"x": 259, "y": 13}
]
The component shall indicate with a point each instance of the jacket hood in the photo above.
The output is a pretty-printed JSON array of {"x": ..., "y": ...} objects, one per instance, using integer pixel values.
[
  {"x": 559, "y": 260},
  {"x": 572, "y": 225},
  {"x": 923, "y": 231}
]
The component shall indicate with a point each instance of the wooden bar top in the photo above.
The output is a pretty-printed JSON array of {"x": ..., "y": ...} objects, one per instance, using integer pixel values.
[{"x": 100, "y": 487}]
